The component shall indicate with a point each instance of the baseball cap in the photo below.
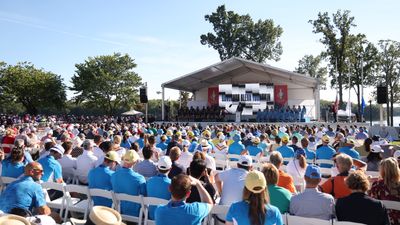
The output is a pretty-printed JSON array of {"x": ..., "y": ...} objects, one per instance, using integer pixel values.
[
  {"x": 350, "y": 141},
  {"x": 58, "y": 148},
  {"x": 204, "y": 143},
  {"x": 185, "y": 143},
  {"x": 325, "y": 139},
  {"x": 255, "y": 140},
  {"x": 255, "y": 182},
  {"x": 285, "y": 138},
  {"x": 282, "y": 129},
  {"x": 313, "y": 172},
  {"x": 376, "y": 149},
  {"x": 245, "y": 160},
  {"x": 396, "y": 154},
  {"x": 14, "y": 219},
  {"x": 113, "y": 156},
  {"x": 164, "y": 163},
  {"x": 130, "y": 156}
]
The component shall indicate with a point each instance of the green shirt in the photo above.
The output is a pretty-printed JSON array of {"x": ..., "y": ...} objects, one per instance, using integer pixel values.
[{"x": 279, "y": 197}]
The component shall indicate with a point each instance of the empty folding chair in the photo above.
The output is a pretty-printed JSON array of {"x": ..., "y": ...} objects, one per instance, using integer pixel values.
[
  {"x": 76, "y": 204},
  {"x": 298, "y": 220},
  {"x": 147, "y": 203}
]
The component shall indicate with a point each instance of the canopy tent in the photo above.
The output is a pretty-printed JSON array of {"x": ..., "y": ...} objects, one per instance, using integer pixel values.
[
  {"x": 302, "y": 89},
  {"x": 132, "y": 113}
]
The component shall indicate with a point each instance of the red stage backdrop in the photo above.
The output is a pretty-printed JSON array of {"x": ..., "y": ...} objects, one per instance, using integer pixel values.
[
  {"x": 213, "y": 96},
  {"x": 280, "y": 95}
]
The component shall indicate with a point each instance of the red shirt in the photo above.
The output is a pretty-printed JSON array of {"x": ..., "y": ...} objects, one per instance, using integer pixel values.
[{"x": 8, "y": 140}]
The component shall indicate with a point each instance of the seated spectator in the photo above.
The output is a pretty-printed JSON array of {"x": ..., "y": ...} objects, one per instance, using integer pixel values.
[
  {"x": 358, "y": 207},
  {"x": 309, "y": 153},
  {"x": 97, "y": 151},
  {"x": 348, "y": 149},
  {"x": 162, "y": 144},
  {"x": 52, "y": 170},
  {"x": 276, "y": 145},
  {"x": 297, "y": 168},
  {"x": 100, "y": 177},
  {"x": 85, "y": 162},
  {"x": 336, "y": 185},
  {"x": 158, "y": 186},
  {"x": 325, "y": 151},
  {"x": 286, "y": 151},
  {"x": 254, "y": 207},
  {"x": 312, "y": 203},
  {"x": 285, "y": 180},
  {"x": 13, "y": 166},
  {"x": 236, "y": 147},
  {"x": 147, "y": 167},
  {"x": 177, "y": 168},
  {"x": 180, "y": 212},
  {"x": 295, "y": 140},
  {"x": 278, "y": 196},
  {"x": 388, "y": 188},
  {"x": 105, "y": 146},
  {"x": 157, "y": 152},
  {"x": 253, "y": 149},
  {"x": 186, "y": 156},
  {"x": 67, "y": 162},
  {"x": 117, "y": 146},
  {"x": 198, "y": 170},
  {"x": 373, "y": 158}
]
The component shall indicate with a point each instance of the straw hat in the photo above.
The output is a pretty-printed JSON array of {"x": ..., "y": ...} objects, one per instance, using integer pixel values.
[
  {"x": 13, "y": 220},
  {"x": 101, "y": 215}
]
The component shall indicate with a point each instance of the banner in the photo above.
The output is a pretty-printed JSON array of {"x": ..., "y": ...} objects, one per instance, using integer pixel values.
[
  {"x": 213, "y": 96},
  {"x": 280, "y": 95}
]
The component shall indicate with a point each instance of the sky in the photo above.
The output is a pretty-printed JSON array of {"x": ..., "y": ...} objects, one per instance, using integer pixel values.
[{"x": 163, "y": 36}]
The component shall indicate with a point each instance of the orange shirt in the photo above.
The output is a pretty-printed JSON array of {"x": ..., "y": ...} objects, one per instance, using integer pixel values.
[
  {"x": 339, "y": 188},
  {"x": 286, "y": 181}
]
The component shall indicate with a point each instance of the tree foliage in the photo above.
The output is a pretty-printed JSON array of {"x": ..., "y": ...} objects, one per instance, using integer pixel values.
[
  {"x": 335, "y": 36},
  {"x": 108, "y": 82},
  {"x": 33, "y": 88},
  {"x": 389, "y": 63},
  {"x": 238, "y": 36},
  {"x": 310, "y": 65}
]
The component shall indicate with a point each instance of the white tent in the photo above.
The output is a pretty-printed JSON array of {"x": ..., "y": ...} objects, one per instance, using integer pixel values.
[{"x": 132, "y": 113}]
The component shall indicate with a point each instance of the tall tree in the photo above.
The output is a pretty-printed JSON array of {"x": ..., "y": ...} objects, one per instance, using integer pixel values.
[
  {"x": 310, "y": 65},
  {"x": 107, "y": 82},
  {"x": 389, "y": 62},
  {"x": 238, "y": 36},
  {"x": 33, "y": 88},
  {"x": 335, "y": 37},
  {"x": 362, "y": 66},
  {"x": 184, "y": 98}
]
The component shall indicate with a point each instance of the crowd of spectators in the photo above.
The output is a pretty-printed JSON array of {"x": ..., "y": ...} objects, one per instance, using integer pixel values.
[{"x": 274, "y": 171}]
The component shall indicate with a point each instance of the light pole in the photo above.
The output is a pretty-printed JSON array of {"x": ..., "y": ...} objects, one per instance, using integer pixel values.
[
  {"x": 370, "y": 112},
  {"x": 159, "y": 92}
]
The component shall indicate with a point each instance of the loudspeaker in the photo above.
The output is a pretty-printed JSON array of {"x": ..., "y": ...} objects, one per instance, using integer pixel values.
[
  {"x": 143, "y": 95},
  {"x": 381, "y": 95}
]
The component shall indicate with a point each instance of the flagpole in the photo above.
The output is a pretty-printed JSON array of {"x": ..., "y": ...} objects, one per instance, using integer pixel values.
[
  {"x": 348, "y": 103},
  {"x": 362, "y": 87}
]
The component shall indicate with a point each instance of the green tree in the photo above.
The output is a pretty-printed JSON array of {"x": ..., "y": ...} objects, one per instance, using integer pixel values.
[
  {"x": 389, "y": 62},
  {"x": 336, "y": 32},
  {"x": 238, "y": 36},
  {"x": 33, "y": 88},
  {"x": 107, "y": 82},
  {"x": 310, "y": 65},
  {"x": 184, "y": 98},
  {"x": 362, "y": 65}
]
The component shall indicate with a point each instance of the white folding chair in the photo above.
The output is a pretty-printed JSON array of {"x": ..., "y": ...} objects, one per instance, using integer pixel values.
[
  {"x": 298, "y": 220},
  {"x": 287, "y": 160},
  {"x": 324, "y": 161},
  {"x": 4, "y": 181},
  {"x": 58, "y": 203},
  {"x": 373, "y": 174},
  {"x": 216, "y": 210},
  {"x": 77, "y": 204},
  {"x": 231, "y": 163},
  {"x": 393, "y": 205},
  {"x": 95, "y": 192},
  {"x": 151, "y": 201},
  {"x": 129, "y": 198}
]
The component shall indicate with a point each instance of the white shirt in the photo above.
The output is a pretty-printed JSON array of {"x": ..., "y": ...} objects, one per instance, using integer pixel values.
[
  {"x": 121, "y": 152},
  {"x": 232, "y": 185},
  {"x": 159, "y": 152},
  {"x": 293, "y": 169},
  {"x": 84, "y": 163},
  {"x": 68, "y": 164},
  {"x": 98, "y": 152},
  {"x": 185, "y": 159},
  {"x": 210, "y": 162}
]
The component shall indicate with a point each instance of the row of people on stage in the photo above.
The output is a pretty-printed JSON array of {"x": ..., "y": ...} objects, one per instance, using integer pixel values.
[
  {"x": 209, "y": 113},
  {"x": 283, "y": 114}
]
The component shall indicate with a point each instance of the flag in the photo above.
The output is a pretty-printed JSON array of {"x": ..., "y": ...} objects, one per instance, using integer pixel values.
[
  {"x": 362, "y": 105},
  {"x": 336, "y": 105}
]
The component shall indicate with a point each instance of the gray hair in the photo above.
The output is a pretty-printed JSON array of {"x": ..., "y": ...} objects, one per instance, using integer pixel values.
[
  {"x": 19, "y": 143},
  {"x": 87, "y": 144},
  {"x": 276, "y": 159}
]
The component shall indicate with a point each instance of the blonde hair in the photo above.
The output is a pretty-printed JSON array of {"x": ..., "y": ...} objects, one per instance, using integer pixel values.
[
  {"x": 117, "y": 139},
  {"x": 390, "y": 172},
  {"x": 271, "y": 173}
]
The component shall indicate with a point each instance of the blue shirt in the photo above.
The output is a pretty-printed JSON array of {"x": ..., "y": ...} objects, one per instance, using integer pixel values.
[
  {"x": 100, "y": 177},
  {"x": 181, "y": 213},
  {"x": 239, "y": 212},
  {"x": 10, "y": 169},
  {"x": 309, "y": 154},
  {"x": 254, "y": 150},
  {"x": 325, "y": 152},
  {"x": 140, "y": 142},
  {"x": 349, "y": 151},
  {"x": 126, "y": 144},
  {"x": 235, "y": 148},
  {"x": 162, "y": 146},
  {"x": 23, "y": 193},
  {"x": 286, "y": 151},
  {"x": 157, "y": 186},
  {"x": 129, "y": 182},
  {"x": 193, "y": 146},
  {"x": 50, "y": 167}
]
